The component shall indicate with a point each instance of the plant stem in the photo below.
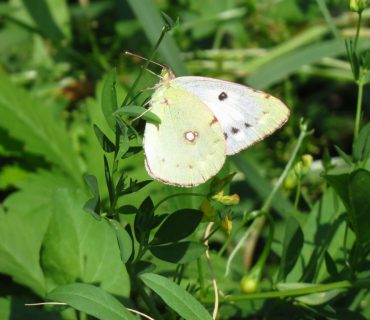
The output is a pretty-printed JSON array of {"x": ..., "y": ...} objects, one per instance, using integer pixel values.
[
  {"x": 298, "y": 193},
  {"x": 178, "y": 195},
  {"x": 361, "y": 283},
  {"x": 357, "y": 31},
  {"x": 148, "y": 301},
  {"x": 360, "y": 90}
]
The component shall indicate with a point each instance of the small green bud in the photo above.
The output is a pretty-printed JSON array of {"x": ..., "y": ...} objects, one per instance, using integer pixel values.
[
  {"x": 358, "y": 5},
  {"x": 248, "y": 284}
]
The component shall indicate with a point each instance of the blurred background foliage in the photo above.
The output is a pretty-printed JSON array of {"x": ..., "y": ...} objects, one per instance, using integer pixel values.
[{"x": 54, "y": 57}]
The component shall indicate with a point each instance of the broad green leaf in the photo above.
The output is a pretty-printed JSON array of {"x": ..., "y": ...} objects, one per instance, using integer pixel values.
[
  {"x": 340, "y": 184},
  {"x": 180, "y": 252},
  {"x": 176, "y": 297},
  {"x": 78, "y": 247},
  {"x": 359, "y": 198},
  {"x": 32, "y": 122},
  {"x": 23, "y": 227},
  {"x": 92, "y": 300},
  {"x": 323, "y": 231},
  {"x": 178, "y": 226},
  {"x": 292, "y": 246},
  {"x": 21, "y": 235},
  {"x": 139, "y": 112},
  {"x": 354, "y": 190},
  {"x": 109, "y": 98}
]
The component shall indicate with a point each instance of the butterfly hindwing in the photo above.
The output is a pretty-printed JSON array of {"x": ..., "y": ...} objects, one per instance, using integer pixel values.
[
  {"x": 246, "y": 115},
  {"x": 188, "y": 146}
]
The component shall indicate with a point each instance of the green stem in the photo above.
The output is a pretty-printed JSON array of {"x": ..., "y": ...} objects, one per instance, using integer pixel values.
[
  {"x": 360, "y": 91},
  {"x": 357, "y": 31},
  {"x": 298, "y": 193},
  {"x": 179, "y": 195},
  {"x": 287, "y": 168},
  {"x": 345, "y": 284},
  {"x": 148, "y": 301},
  {"x": 200, "y": 277},
  {"x": 257, "y": 224}
]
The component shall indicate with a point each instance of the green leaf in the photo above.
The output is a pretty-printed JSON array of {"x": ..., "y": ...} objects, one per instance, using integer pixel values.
[
  {"x": 91, "y": 300},
  {"x": 347, "y": 159},
  {"x": 77, "y": 247},
  {"x": 143, "y": 221},
  {"x": 361, "y": 148},
  {"x": 152, "y": 23},
  {"x": 178, "y": 226},
  {"x": 135, "y": 186},
  {"x": 127, "y": 209},
  {"x": 340, "y": 184},
  {"x": 310, "y": 299},
  {"x": 330, "y": 265},
  {"x": 354, "y": 190},
  {"x": 139, "y": 112},
  {"x": 176, "y": 297},
  {"x": 93, "y": 204},
  {"x": 104, "y": 141},
  {"x": 124, "y": 240},
  {"x": 109, "y": 98},
  {"x": 292, "y": 246},
  {"x": 124, "y": 142},
  {"x": 109, "y": 181},
  {"x": 359, "y": 197},
  {"x": 45, "y": 15},
  {"x": 31, "y": 121},
  {"x": 23, "y": 225},
  {"x": 180, "y": 252}
]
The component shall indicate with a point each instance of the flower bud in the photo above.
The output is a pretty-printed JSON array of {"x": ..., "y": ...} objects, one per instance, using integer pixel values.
[
  {"x": 226, "y": 225},
  {"x": 358, "y": 5},
  {"x": 228, "y": 200},
  {"x": 249, "y": 284}
]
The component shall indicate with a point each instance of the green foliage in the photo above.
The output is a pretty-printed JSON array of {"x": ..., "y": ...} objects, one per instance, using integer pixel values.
[{"x": 81, "y": 222}]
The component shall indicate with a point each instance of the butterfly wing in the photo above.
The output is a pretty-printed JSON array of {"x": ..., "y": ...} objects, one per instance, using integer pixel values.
[
  {"x": 188, "y": 146},
  {"x": 246, "y": 115}
]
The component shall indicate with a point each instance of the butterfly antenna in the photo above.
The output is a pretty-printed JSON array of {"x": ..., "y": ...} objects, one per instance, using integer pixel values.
[{"x": 143, "y": 58}]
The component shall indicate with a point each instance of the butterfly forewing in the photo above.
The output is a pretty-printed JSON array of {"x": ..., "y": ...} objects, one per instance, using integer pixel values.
[
  {"x": 245, "y": 115},
  {"x": 188, "y": 147}
]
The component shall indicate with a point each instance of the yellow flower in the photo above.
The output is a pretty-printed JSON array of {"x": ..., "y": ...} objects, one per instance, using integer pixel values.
[
  {"x": 228, "y": 200},
  {"x": 226, "y": 225}
]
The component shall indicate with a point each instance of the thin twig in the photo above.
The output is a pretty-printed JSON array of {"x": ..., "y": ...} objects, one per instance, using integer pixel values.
[{"x": 211, "y": 270}]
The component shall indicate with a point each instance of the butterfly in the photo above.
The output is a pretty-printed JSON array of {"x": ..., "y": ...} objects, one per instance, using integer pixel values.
[{"x": 202, "y": 121}]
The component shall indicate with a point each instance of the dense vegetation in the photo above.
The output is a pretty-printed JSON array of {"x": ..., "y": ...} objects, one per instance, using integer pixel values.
[{"x": 282, "y": 231}]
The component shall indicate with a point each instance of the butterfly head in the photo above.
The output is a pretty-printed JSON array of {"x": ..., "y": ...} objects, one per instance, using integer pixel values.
[{"x": 166, "y": 76}]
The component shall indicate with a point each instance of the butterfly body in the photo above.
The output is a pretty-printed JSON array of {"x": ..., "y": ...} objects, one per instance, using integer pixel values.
[{"x": 202, "y": 121}]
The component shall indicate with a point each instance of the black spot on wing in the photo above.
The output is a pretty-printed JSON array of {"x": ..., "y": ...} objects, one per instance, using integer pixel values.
[
  {"x": 225, "y": 135},
  {"x": 247, "y": 125},
  {"x": 234, "y": 130},
  {"x": 222, "y": 96}
]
